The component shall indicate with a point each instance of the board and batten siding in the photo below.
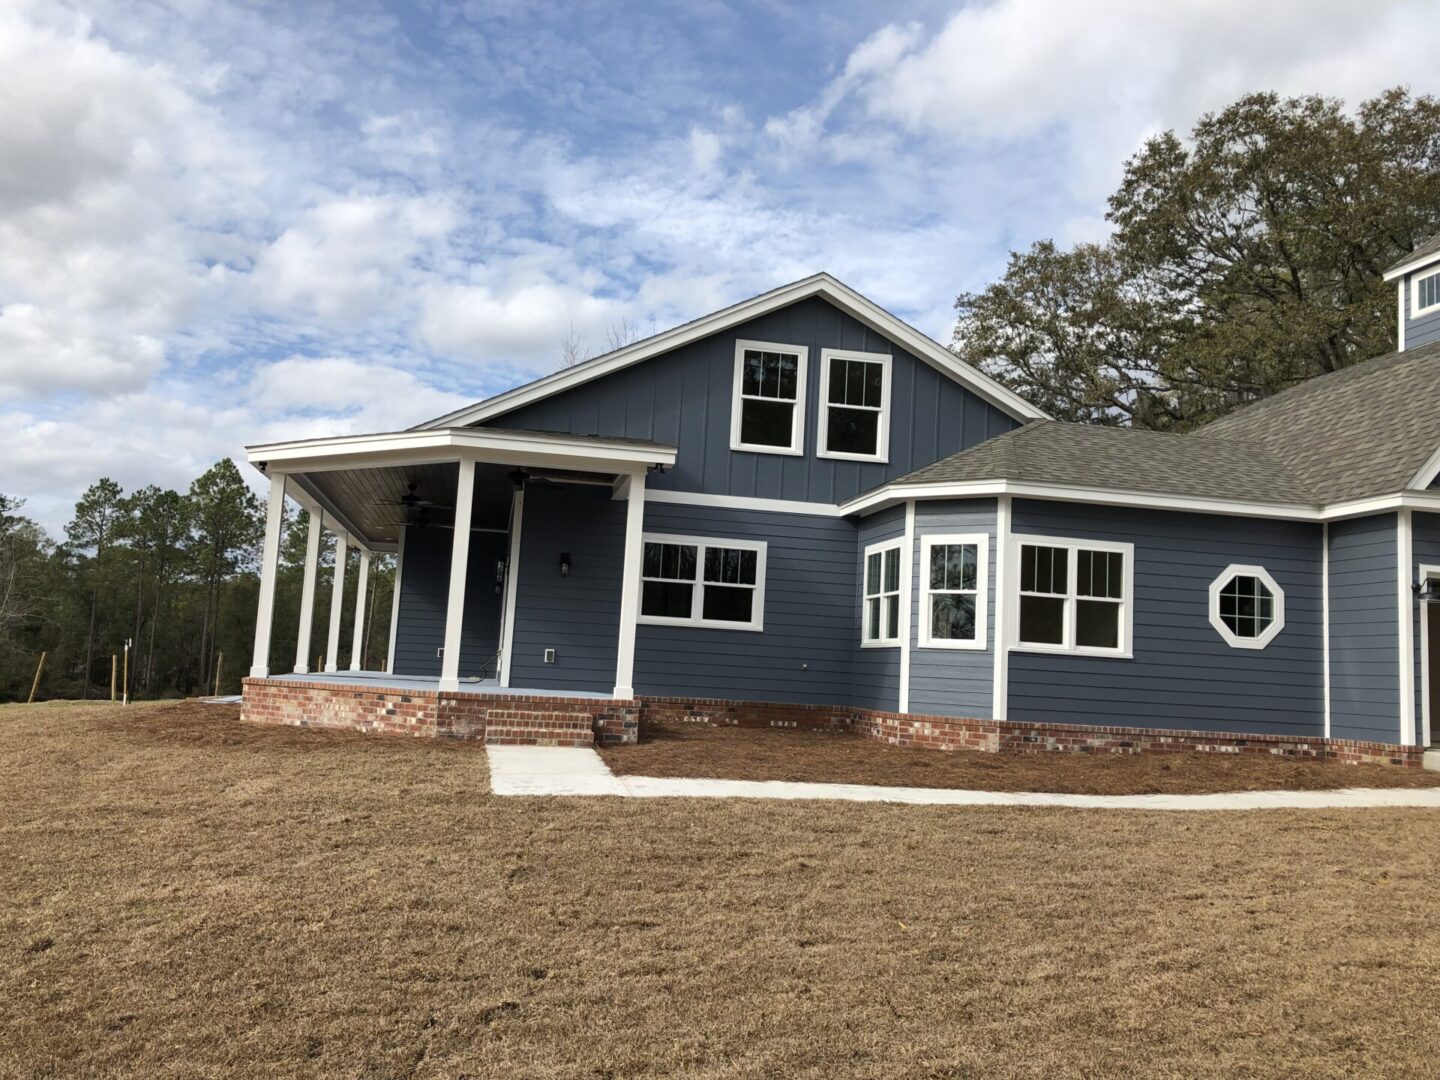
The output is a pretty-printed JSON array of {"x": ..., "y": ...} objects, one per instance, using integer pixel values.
[
  {"x": 578, "y": 616},
  {"x": 952, "y": 682},
  {"x": 803, "y": 654},
  {"x": 424, "y": 590},
  {"x": 1182, "y": 674},
  {"x": 1364, "y": 631},
  {"x": 683, "y": 399},
  {"x": 876, "y": 682},
  {"x": 1425, "y": 329}
]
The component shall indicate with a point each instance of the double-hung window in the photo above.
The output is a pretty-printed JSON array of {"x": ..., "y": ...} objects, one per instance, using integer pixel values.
[
  {"x": 699, "y": 581},
  {"x": 1427, "y": 295},
  {"x": 768, "y": 411},
  {"x": 1075, "y": 596},
  {"x": 954, "y": 572},
  {"x": 855, "y": 413},
  {"x": 881, "y": 615}
]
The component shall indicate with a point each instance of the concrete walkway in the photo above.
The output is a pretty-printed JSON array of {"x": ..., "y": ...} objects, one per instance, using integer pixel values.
[{"x": 539, "y": 770}]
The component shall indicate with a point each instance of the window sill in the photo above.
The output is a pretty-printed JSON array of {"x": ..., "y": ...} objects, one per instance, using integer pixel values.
[
  {"x": 873, "y": 459},
  {"x": 785, "y": 451},
  {"x": 947, "y": 646},
  {"x": 880, "y": 644},
  {"x": 1061, "y": 650},
  {"x": 702, "y": 624}
]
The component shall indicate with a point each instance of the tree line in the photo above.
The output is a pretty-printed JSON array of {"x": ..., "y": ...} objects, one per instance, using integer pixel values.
[
  {"x": 1242, "y": 260},
  {"x": 177, "y": 575}
]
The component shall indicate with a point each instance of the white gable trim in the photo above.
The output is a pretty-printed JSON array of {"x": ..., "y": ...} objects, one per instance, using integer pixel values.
[
  {"x": 822, "y": 285},
  {"x": 1412, "y": 266},
  {"x": 1427, "y": 473}
]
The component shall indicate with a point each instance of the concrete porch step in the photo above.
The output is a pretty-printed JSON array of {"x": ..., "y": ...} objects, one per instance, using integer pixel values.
[{"x": 1431, "y": 760}]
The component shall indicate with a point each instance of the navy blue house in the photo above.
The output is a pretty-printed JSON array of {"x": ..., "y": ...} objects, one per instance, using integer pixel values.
[{"x": 802, "y": 500}]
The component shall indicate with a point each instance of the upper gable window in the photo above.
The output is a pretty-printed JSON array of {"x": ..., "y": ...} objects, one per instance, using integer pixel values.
[
  {"x": 1427, "y": 295},
  {"x": 768, "y": 413},
  {"x": 855, "y": 415}
]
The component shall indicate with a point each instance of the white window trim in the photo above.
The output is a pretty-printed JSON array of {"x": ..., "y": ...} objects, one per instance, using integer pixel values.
[
  {"x": 901, "y": 594},
  {"x": 1416, "y": 311},
  {"x": 982, "y": 590},
  {"x": 797, "y": 421},
  {"x": 1126, "y": 651},
  {"x": 1229, "y": 636},
  {"x": 882, "y": 435},
  {"x": 697, "y": 595}
]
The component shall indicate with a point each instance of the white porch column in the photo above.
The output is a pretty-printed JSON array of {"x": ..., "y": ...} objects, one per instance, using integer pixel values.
[
  {"x": 630, "y": 586},
  {"x": 269, "y": 562},
  {"x": 361, "y": 586},
  {"x": 307, "y": 594},
  {"x": 459, "y": 561},
  {"x": 395, "y": 604},
  {"x": 337, "y": 602}
]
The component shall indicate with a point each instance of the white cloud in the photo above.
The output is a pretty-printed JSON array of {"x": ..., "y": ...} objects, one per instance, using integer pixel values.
[
  {"x": 41, "y": 352},
  {"x": 522, "y": 325},
  {"x": 338, "y": 395}
]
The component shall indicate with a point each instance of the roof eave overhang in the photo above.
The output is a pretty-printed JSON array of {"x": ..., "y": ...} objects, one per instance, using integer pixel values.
[
  {"x": 400, "y": 448},
  {"x": 1412, "y": 266},
  {"x": 823, "y": 285}
]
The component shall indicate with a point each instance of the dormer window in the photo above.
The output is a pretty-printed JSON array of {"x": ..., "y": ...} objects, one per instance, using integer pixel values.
[
  {"x": 855, "y": 413},
  {"x": 768, "y": 412},
  {"x": 1427, "y": 295}
]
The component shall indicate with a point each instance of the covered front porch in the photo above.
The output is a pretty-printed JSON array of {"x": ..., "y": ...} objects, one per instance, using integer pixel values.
[{"x": 457, "y": 497}]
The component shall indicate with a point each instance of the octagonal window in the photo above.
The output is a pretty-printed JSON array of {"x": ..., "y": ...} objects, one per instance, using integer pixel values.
[{"x": 1247, "y": 607}]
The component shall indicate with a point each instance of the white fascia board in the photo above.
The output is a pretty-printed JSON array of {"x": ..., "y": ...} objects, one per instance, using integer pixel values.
[
  {"x": 838, "y": 293},
  {"x": 488, "y": 444},
  {"x": 1425, "y": 475},
  {"x": 1412, "y": 266}
]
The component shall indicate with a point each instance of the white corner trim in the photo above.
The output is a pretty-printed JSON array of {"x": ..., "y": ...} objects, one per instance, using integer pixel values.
[
  {"x": 1229, "y": 636},
  {"x": 1426, "y": 570},
  {"x": 743, "y": 502},
  {"x": 1073, "y": 545},
  {"x": 797, "y": 412},
  {"x": 1400, "y": 317},
  {"x": 1405, "y": 613},
  {"x": 928, "y": 543},
  {"x": 907, "y": 602},
  {"x": 395, "y": 601},
  {"x": 512, "y": 585},
  {"x": 1325, "y": 617},
  {"x": 882, "y": 433},
  {"x": 896, "y": 543},
  {"x": 698, "y": 583},
  {"x": 999, "y": 694},
  {"x": 822, "y": 285}
]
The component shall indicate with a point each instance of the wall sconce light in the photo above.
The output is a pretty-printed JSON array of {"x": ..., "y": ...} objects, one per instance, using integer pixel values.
[
  {"x": 564, "y": 564},
  {"x": 1428, "y": 591}
]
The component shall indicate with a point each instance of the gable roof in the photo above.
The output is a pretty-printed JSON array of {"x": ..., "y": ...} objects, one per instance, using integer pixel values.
[
  {"x": 1426, "y": 252},
  {"x": 1119, "y": 459},
  {"x": 1363, "y": 431},
  {"x": 822, "y": 285}
]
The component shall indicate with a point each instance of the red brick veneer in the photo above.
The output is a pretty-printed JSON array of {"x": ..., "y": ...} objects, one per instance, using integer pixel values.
[
  {"x": 555, "y": 721},
  {"x": 499, "y": 719}
]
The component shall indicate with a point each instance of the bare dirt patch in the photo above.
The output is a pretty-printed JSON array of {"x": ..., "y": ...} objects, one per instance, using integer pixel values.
[
  {"x": 732, "y": 753},
  {"x": 184, "y": 896}
]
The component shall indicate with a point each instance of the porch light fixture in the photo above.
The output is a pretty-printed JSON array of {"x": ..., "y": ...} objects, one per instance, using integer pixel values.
[
  {"x": 564, "y": 564},
  {"x": 1428, "y": 591}
]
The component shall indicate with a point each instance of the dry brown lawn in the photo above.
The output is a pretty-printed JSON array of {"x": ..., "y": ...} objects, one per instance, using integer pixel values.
[
  {"x": 181, "y": 896},
  {"x": 682, "y": 748}
]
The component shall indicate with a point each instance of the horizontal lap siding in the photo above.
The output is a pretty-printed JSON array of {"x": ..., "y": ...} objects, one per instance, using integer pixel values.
[
  {"x": 683, "y": 399},
  {"x": 1364, "y": 637},
  {"x": 424, "y": 595},
  {"x": 1183, "y": 675},
  {"x": 952, "y": 682},
  {"x": 803, "y": 655},
  {"x": 578, "y": 616},
  {"x": 877, "y": 671}
]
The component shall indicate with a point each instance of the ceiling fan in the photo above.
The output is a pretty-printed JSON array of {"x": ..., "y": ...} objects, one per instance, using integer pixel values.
[{"x": 414, "y": 506}]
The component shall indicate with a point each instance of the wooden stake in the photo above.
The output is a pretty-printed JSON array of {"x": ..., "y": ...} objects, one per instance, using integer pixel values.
[
  {"x": 125, "y": 686},
  {"x": 36, "y": 684},
  {"x": 112, "y": 678},
  {"x": 219, "y": 666}
]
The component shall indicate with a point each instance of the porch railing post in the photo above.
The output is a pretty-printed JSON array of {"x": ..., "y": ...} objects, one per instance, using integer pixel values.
[
  {"x": 630, "y": 587},
  {"x": 337, "y": 601},
  {"x": 269, "y": 563},
  {"x": 307, "y": 593},
  {"x": 459, "y": 561},
  {"x": 361, "y": 587}
]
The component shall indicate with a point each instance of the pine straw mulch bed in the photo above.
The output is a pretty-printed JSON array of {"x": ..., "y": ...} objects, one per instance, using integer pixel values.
[
  {"x": 695, "y": 749},
  {"x": 182, "y": 895}
]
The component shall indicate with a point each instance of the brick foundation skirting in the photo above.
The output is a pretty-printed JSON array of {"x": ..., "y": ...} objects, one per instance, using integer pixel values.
[{"x": 517, "y": 719}]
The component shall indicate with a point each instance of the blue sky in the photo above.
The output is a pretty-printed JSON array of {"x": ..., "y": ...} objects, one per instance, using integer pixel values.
[{"x": 223, "y": 223}]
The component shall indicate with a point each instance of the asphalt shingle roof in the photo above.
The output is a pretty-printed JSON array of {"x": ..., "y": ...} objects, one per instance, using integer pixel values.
[
  {"x": 1428, "y": 247},
  {"x": 1352, "y": 434}
]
